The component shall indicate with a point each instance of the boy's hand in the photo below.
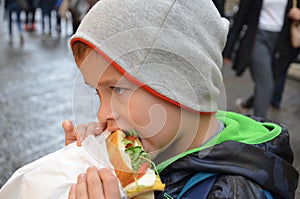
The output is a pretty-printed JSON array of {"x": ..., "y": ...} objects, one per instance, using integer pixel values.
[
  {"x": 78, "y": 133},
  {"x": 95, "y": 184}
]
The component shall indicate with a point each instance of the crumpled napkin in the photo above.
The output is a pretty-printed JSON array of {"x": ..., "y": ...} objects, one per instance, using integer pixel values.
[{"x": 51, "y": 176}]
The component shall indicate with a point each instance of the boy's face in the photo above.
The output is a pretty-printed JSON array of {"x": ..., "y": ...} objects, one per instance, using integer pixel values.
[{"x": 124, "y": 105}]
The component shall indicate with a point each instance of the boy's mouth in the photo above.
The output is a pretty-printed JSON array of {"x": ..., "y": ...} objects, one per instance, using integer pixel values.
[{"x": 112, "y": 129}]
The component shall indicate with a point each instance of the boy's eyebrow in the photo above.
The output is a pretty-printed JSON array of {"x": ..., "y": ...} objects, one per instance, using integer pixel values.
[
  {"x": 107, "y": 82},
  {"x": 113, "y": 81}
]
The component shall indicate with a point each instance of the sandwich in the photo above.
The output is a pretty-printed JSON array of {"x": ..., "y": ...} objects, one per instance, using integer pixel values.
[{"x": 133, "y": 167}]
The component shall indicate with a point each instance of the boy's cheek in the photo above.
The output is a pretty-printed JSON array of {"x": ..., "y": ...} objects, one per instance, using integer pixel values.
[
  {"x": 138, "y": 113},
  {"x": 149, "y": 121}
]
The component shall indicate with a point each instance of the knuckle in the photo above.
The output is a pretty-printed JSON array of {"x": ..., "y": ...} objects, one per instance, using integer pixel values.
[
  {"x": 108, "y": 177},
  {"x": 91, "y": 169},
  {"x": 92, "y": 177}
]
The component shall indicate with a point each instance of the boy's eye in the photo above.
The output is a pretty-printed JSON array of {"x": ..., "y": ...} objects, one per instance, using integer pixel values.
[{"x": 118, "y": 90}]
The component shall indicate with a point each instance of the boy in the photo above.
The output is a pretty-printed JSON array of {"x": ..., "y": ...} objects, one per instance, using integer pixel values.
[{"x": 156, "y": 68}]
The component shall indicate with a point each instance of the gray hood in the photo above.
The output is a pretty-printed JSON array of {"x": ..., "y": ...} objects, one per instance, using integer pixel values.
[{"x": 172, "y": 48}]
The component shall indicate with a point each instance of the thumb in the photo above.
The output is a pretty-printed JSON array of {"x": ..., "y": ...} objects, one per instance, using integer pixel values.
[{"x": 70, "y": 132}]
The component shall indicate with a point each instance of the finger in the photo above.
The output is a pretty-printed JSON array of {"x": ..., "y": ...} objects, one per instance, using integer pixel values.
[
  {"x": 78, "y": 140},
  {"x": 101, "y": 128},
  {"x": 110, "y": 184},
  {"x": 81, "y": 187},
  {"x": 72, "y": 194},
  {"x": 93, "y": 128},
  {"x": 81, "y": 132},
  {"x": 70, "y": 133},
  {"x": 98, "y": 130},
  {"x": 94, "y": 184}
]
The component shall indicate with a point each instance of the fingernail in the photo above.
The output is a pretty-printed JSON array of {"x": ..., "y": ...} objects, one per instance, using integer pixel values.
[
  {"x": 82, "y": 176},
  {"x": 105, "y": 169},
  {"x": 98, "y": 130},
  {"x": 92, "y": 167}
]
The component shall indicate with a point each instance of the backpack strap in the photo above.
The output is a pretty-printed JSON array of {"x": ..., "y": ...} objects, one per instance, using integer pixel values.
[
  {"x": 207, "y": 181},
  {"x": 268, "y": 194}
]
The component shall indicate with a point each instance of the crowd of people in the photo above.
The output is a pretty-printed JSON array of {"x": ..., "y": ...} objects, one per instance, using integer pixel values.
[{"x": 59, "y": 8}]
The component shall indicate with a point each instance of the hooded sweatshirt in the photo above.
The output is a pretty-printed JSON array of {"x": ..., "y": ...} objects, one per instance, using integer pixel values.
[{"x": 254, "y": 154}]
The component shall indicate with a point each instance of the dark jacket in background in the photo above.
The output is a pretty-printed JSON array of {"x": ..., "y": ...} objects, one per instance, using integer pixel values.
[{"x": 220, "y": 5}]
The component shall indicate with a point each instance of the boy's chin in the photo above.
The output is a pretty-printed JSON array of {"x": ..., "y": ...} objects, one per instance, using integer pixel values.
[{"x": 153, "y": 155}]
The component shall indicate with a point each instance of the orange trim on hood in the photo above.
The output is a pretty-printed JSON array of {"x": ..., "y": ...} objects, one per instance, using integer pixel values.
[{"x": 133, "y": 79}]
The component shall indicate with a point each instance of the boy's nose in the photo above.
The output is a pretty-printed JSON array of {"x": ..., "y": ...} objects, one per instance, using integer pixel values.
[{"x": 106, "y": 113}]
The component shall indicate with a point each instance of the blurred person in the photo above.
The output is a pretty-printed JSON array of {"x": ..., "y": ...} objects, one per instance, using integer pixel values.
[
  {"x": 264, "y": 47},
  {"x": 47, "y": 7},
  {"x": 78, "y": 9},
  {"x": 13, "y": 7},
  {"x": 30, "y": 15},
  {"x": 58, "y": 18}
]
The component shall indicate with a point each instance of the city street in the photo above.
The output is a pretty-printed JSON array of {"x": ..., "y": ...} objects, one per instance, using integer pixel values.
[{"x": 40, "y": 88}]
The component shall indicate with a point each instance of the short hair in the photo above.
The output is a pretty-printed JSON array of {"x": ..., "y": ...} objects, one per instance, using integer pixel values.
[{"x": 80, "y": 50}]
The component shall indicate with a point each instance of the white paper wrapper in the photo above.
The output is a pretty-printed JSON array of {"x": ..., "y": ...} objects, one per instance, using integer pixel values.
[{"x": 51, "y": 176}]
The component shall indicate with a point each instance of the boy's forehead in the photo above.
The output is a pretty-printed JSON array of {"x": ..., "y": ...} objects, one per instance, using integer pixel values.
[
  {"x": 93, "y": 68},
  {"x": 96, "y": 71}
]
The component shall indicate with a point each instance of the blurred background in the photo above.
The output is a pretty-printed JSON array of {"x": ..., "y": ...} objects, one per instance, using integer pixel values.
[{"x": 40, "y": 86}]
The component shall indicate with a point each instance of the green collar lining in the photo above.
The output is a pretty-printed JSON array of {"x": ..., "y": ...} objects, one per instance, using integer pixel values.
[{"x": 238, "y": 128}]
